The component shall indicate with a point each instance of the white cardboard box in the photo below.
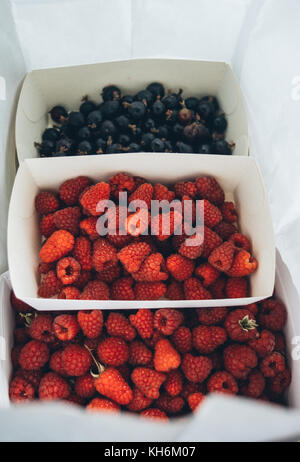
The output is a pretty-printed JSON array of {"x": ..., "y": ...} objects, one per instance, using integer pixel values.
[
  {"x": 238, "y": 175},
  {"x": 42, "y": 89}
]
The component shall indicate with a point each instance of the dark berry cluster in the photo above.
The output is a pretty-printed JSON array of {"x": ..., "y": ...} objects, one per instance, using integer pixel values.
[{"x": 149, "y": 121}]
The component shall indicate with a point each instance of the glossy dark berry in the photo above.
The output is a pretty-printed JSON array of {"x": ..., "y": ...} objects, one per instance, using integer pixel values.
[
  {"x": 58, "y": 114},
  {"x": 126, "y": 100},
  {"x": 173, "y": 100},
  {"x": 163, "y": 131},
  {"x": 100, "y": 146},
  {"x": 124, "y": 139},
  {"x": 107, "y": 128},
  {"x": 50, "y": 134},
  {"x": 84, "y": 147},
  {"x": 84, "y": 133},
  {"x": 157, "y": 145},
  {"x": 184, "y": 147},
  {"x": 220, "y": 124},
  {"x": 122, "y": 122},
  {"x": 191, "y": 103},
  {"x": 64, "y": 145},
  {"x": 177, "y": 130},
  {"x": 158, "y": 109},
  {"x": 137, "y": 109},
  {"x": 147, "y": 139},
  {"x": 157, "y": 89},
  {"x": 212, "y": 100},
  {"x": 145, "y": 96},
  {"x": 75, "y": 120},
  {"x": 86, "y": 107},
  {"x": 111, "y": 92},
  {"x": 47, "y": 148},
  {"x": 221, "y": 147},
  {"x": 149, "y": 124},
  {"x": 206, "y": 110},
  {"x": 204, "y": 149},
  {"x": 94, "y": 119},
  {"x": 110, "y": 109}
]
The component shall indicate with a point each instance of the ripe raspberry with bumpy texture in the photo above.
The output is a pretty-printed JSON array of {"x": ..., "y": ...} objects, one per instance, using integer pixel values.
[
  {"x": 240, "y": 241},
  {"x": 41, "y": 328},
  {"x": 272, "y": 364},
  {"x": 241, "y": 325},
  {"x": 207, "y": 339},
  {"x": 68, "y": 219},
  {"x": 53, "y": 387},
  {"x": 229, "y": 212},
  {"x": 47, "y": 225},
  {"x": 225, "y": 230},
  {"x": 182, "y": 339},
  {"x": 161, "y": 192},
  {"x": 148, "y": 381},
  {"x": 110, "y": 273},
  {"x": 95, "y": 290},
  {"x": 139, "y": 401},
  {"x": 121, "y": 182},
  {"x": 149, "y": 290},
  {"x": 170, "y": 404},
  {"x": 122, "y": 289},
  {"x": 239, "y": 360},
  {"x": 243, "y": 265},
  {"x": 142, "y": 193},
  {"x": 152, "y": 269},
  {"x": 212, "y": 316},
  {"x": 237, "y": 287},
  {"x": 272, "y": 315},
  {"x": 175, "y": 291},
  {"x": 91, "y": 322},
  {"x": 180, "y": 267},
  {"x": 133, "y": 255},
  {"x": 164, "y": 225},
  {"x": 211, "y": 214},
  {"x": 194, "y": 290},
  {"x": 104, "y": 254},
  {"x": 166, "y": 357},
  {"x": 195, "y": 400},
  {"x": 211, "y": 241},
  {"x": 221, "y": 257},
  {"x": 208, "y": 188},
  {"x": 207, "y": 274},
  {"x": 191, "y": 387},
  {"x": 192, "y": 247},
  {"x": 33, "y": 355},
  {"x": 50, "y": 285},
  {"x": 102, "y": 405},
  {"x": 88, "y": 227},
  {"x": 70, "y": 190},
  {"x": 83, "y": 252},
  {"x": 196, "y": 368},
  {"x": 111, "y": 384},
  {"x": 65, "y": 327},
  {"x": 18, "y": 305},
  {"x": 20, "y": 390},
  {"x": 185, "y": 188},
  {"x": 56, "y": 363},
  {"x": 113, "y": 351},
  {"x": 119, "y": 326},
  {"x": 84, "y": 386},
  {"x": 167, "y": 320},
  {"x": 68, "y": 270},
  {"x": 46, "y": 202},
  {"x": 253, "y": 308},
  {"x": 155, "y": 414},
  {"x": 59, "y": 244},
  {"x": 143, "y": 322},
  {"x": 69, "y": 293},
  {"x": 222, "y": 382},
  {"x": 173, "y": 383},
  {"x": 139, "y": 354},
  {"x": 76, "y": 360},
  {"x": 280, "y": 382},
  {"x": 90, "y": 198},
  {"x": 255, "y": 385},
  {"x": 263, "y": 344},
  {"x": 33, "y": 377},
  {"x": 118, "y": 240}
]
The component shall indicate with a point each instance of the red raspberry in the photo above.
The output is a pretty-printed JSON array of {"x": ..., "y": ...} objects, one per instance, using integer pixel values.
[
  {"x": 180, "y": 267},
  {"x": 148, "y": 381},
  {"x": 139, "y": 354},
  {"x": 253, "y": 308},
  {"x": 91, "y": 196},
  {"x": 142, "y": 193},
  {"x": 95, "y": 290},
  {"x": 167, "y": 320},
  {"x": 121, "y": 182},
  {"x": 185, "y": 188},
  {"x": 155, "y": 338},
  {"x": 207, "y": 274},
  {"x": 194, "y": 290},
  {"x": 208, "y": 188},
  {"x": 237, "y": 287},
  {"x": 221, "y": 257},
  {"x": 15, "y": 354},
  {"x": 240, "y": 242},
  {"x": 243, "y": 265},
  {"x": 113, "y": 351},
  {"x": 56, "y": 363},
  {"x": 190, "y": 388},
  {"x": 47, "y": 225},
  {"x": 207, "y": 339},
  {"x": 225, "y": 230},
  {"x": 263, "y": 344},
  {"x": 111, "y": 384},
  {"x": 83, "y": 252},
  {"x": 170, "y": 404},
  {"x": 152, "y": 269},
  {"x": 195, "y": 400},
  {"x": 69, "y": 293},
  {"x": 182, "y": 339},
  {"x": 229, "y": 213},
  {"x": 84, "y": 278},
  {"x": 239, "y": 360},
  {"x": 161, "y": 193},
  {"x": 279, "y": 342},
  {"x": 53, "y": 387},
  {"x": 143, "y": 322},
  {"x": 21, "y": 390},
  {"x": 166, "y": 357},
  {"x": 70, "y": 190},
  {"x": 33, "y": 355},
  {"x": 110, "y": 274},
  {"x": 68, "y": 270},
  {"x": 88, "y": 227},
  {"x": 280, "y": 382},
  {"x": 240, "y": 325},
  {"x": 255, "y": 385},
  {"x": 212, "y": 316},
  {"x": 211, "y": 241},
  {"x": 76, "y": 360},
  {"x": 125, "y": 371},
  {"x": 91, "y": 322},
  {"x": 118, "y": 240},
  {"x": 118, "y": 325},
  {"x": 149, "y": 290},
  {"x": 68, "y": 219},
  {"x": 65, "y": 327},
  {"x": 155, "y": 414},
  {"x": 222, "y": 382},
  {"x": 196, "y": 368},
  {"x": 33, "y": 377},
  {"x": 192, "y": 251},
  {"x": 173, "y": 383},
  {"x": 41, "y": 328},
  {"x": 121, "y": 289},
  {"x": 272, "y": 315},
  {"x": 46, "y": 202},
  {"x": 59, "y": 244},
  {"x": 50, "y": 285},
  {"x": 18, "y": 305},
  {"x": 272, "y": 364},
  {"x": 211, "y": 214},
  {"x": 104, "y": 255},
  {"x": 102, "y": 405},
  {"x": 175, "y": 291},
  {"x": 164, "y": 225},
  {"x": 133, "y": 255},
  {"x": 139, "y": 401}
]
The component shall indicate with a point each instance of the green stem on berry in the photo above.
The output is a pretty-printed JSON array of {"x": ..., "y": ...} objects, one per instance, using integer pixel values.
[{"x": 247, "y": 324}]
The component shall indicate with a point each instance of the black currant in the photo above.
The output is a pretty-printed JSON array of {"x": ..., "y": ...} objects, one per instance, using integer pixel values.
[
  {"x": 134, "y": 147},
  {"x": 206, "y": 110},
  {"x": 184, "y": 148},
  {"x": 149, "y": 124},
  {"x": 185, "y": 116},
  {"x": 64, "y": 145},
  {"x": 100, "y": 145},
  {"x": 107, "y": 128},
  {"x": 156, "y": 89},
  {"x": 157, "y": 145},
  {"x": 124, "y": 139},
  {"x": 46, "y": 148},
  {"x": 114, "y": 148},
  {"x": 158, "y": 109},
  {"x": 221, "y": 147},
  {"x": 50, "y": 134},
  {"x": 204, "y": 149},
  {"x": 75, "y": 120},
  {"x": 220, "y": 124},
  {"x": 84, "y": 133},
  {"x": 86, "y": 107},
  {"x": 145, "y": 96},
  {"x": 110, "y": 109},
  {"x": 122, "y": 122},
  {"x": 58, "y": 114},
  {"x": 147, "y": 139},
  {"x": 111, "y": 92},
  {"x": 173, "y": 100},
  {"x": 137, "y": 109},
  {"x": 191, "y": 103},
  {"x": 84, "y": 147}
]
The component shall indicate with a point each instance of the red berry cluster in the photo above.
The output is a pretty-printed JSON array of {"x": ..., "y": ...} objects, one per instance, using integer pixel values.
[
  {"x": 76, "y": 263},
  {"x": 157, "y": 363}
]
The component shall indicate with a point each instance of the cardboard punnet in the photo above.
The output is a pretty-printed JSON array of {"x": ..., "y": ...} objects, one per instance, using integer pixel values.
[
  {"x": 238, "y": 175},
  {"x": 42, "y": 89}
]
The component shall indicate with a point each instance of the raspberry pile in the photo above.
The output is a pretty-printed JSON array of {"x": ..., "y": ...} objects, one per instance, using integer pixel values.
[
  {"x": 156, "y": 363},
  {"x": 149, "y": 121},
  {"x": 144, "y": 256}
]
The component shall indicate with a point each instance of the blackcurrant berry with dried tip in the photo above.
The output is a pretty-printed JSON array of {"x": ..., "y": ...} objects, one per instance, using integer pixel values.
[
  {"x": 191, "y": 103},
  {"x": 158, "y": 109},
  {"x": 212, "y": 100},
  {"x": 157, "y": 145},
  {"x": 171, "y": 116},
  {"x": 50, "y": 134},
  {"x": 58, "y": 114},
  {"x": 220, "y": 124},
  {"x": 147, "y": 139},
  {"x": 149, "y": 124},
  {"x": 134, "y": 147},
  {"x": 110, "y": 109},
  {"x": 163, "y": 131},
  {"x": 145, "y": 96},
  {"x": 221, "y": 147},
  {"x": 64, "y": 145},
  {"x": 46, "y": 148},
  {"x": 157, "y": 89},
  {"x": 173, "y": 100},
  {"x": 84, "y": 133},
  {"x": 100, "y": 145},
  {"x": 122, "y": 122},
  {"x": 107, "y": 128},
  {"x": 75, "y": 120},
  {"x": 86, "y": 107},
  {"x": 94, "y": 119},
  {"x": 206, "y": 110},
  {"x": 177, "y": 130},
  {"x": 84, "y": 148},
  {"x": 185, "y": 116},
  {"x": 111, "y": 92},
  {"x": 124, "y": 139},
  {"x": 137, "y": 110}
]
